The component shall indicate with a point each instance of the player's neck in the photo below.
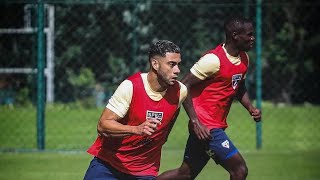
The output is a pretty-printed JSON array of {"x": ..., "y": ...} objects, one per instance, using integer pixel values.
[
  {"x": 231, "y": 50},
  {"x": 154, "y": 82}
]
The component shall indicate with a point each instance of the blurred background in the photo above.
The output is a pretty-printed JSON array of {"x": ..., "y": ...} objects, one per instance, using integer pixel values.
[{"x": 62, "y": 60}]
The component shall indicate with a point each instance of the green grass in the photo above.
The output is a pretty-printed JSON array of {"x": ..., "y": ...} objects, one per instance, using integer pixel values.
[
  {"x": 72, "y": 166},
  {"x": 290, "y": 146},
  {"x": 262, "y": 166},
  {"x": 39, "y": 166}
]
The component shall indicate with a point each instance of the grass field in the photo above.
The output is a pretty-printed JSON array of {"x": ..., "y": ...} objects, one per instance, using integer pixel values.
[
  {"x": 290, "y": 151},
  {"x": 72, "y": 166}
]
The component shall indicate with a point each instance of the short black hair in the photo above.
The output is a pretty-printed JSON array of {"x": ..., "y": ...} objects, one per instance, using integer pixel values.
[
  {"x": 235, "y": 23},
  {"x": 161, "y": 47}
]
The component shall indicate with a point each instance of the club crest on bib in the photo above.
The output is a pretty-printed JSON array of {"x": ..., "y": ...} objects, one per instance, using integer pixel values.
[
  {"x": 236, "y": 78},
  {"x": 154, "y": 115}
]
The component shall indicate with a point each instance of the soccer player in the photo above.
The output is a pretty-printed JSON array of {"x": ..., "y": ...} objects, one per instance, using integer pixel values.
[
  {"x": 213, "y": 82},
  {"x": 138, "y": 119}
]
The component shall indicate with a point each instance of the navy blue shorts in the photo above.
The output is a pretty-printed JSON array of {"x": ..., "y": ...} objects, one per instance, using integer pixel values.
[
  {"x": 198, "y": 153},
  {"x": 100, "y": 170}
]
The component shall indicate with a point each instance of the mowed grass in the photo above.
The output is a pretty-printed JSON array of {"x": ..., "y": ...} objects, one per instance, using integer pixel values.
[
  {"x": 72, "y": 166},
  {"x": 262, "y": 166},
  {"x": 290, "y": 143}
]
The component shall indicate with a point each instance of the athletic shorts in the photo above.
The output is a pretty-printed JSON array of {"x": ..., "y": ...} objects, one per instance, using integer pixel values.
[
  {"x": 219, "y": 148},
  {"x": 100, "y": 170}
]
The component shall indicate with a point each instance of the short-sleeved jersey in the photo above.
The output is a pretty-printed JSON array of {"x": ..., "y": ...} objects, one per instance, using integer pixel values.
[
  {"x": 119, "y": 102},
  {"x": 135, "y": 154},
  {"x": 212, "y": 98}
]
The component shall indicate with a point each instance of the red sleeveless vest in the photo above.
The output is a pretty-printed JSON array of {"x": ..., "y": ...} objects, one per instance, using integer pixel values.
[
  {"x": 140, "y": 155},
  {"x": 213, "y": 97}
]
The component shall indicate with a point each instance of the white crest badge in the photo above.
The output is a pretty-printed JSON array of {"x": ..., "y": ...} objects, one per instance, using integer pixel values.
[
  {"x": 225, "y": 144},
  {"x": 236, "y": 78},
  {"x": 154, "y": 115}
]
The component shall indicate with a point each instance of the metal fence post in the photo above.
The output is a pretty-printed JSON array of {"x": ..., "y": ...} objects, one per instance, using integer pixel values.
[
  {"x": 259, "y": 69},
  {"x": 40, "y": 77}
]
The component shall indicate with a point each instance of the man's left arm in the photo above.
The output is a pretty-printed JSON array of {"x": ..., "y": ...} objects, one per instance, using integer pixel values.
[{"x": 244, "y": 99}]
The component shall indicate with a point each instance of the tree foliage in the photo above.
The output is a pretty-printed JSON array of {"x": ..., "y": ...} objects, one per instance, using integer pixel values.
[{"x": 107, "y": 41}]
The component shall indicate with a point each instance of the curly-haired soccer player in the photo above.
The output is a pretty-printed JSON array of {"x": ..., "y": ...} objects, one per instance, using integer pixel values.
[{"x": 138, "y": 118}]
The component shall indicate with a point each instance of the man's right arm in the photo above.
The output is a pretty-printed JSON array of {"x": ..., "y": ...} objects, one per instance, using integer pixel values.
[
  {"x": 198, "y": 128},
  {"x": 109, "y": 123},
  {"x": 204, "y": 68}
]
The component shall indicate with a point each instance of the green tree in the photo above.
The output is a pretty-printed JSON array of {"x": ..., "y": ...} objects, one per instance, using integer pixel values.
[{"x": 285, "y": 60}]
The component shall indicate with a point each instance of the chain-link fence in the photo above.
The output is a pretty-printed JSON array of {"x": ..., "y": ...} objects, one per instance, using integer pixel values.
[{"x": 91, "y": 46}]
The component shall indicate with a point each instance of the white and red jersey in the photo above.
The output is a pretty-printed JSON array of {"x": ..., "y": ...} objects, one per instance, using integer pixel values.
[
  {"x": 140, "y": 155},
  {"x": 212, "y": 98}
]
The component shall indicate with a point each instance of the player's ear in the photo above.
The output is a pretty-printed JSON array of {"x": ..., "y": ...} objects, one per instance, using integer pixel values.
[
  {"x": 235, "y": 35},
  {"x": 155, "y": 63}
]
